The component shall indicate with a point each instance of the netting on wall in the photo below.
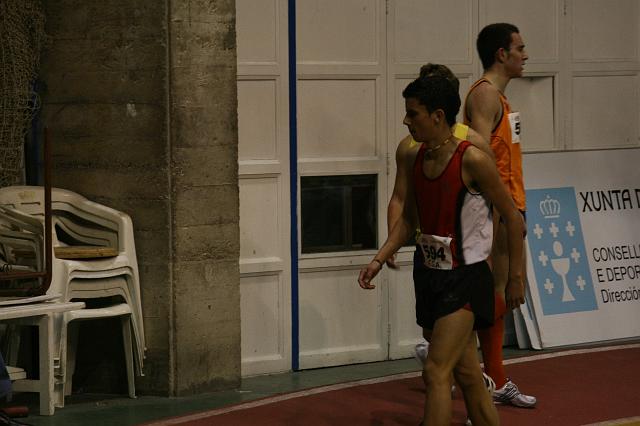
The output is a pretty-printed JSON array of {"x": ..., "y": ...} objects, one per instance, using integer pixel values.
[{"x": 21, "y": 38}]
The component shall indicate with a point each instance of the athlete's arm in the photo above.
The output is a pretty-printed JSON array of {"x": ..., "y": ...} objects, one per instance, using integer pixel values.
[
  {"x": 480, "y": 172},
  {"x": 483, "y": 109},
  {"x": 402, "y": 228},
  {"x": 394, "y": 210}
]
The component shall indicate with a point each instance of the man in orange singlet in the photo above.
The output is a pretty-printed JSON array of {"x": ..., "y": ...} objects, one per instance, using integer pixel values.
[{"x": 487, "y": 111}]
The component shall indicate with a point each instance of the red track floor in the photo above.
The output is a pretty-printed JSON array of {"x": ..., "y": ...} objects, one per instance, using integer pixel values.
[{"x": 572, "y": 389}]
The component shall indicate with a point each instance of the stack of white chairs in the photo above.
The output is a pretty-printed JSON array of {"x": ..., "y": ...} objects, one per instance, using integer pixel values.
[{"x": 93, "y": 257}]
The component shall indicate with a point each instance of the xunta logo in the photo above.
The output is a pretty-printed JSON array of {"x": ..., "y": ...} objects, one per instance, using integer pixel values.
[{"x": 558, "y": 252}]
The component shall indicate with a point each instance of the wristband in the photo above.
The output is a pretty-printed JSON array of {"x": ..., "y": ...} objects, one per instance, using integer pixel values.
[{"x": 379, "y": 262}]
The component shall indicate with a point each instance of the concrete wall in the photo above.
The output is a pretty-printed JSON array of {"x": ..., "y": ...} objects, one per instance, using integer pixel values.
[{"x": 141, "y": 101}]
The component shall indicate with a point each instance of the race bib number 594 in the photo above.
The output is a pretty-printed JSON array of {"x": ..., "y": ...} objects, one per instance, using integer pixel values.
[{"x": 436, "y": 251}]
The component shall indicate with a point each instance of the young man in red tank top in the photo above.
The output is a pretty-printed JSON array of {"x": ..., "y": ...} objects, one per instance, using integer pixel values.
[
  {"x": 487, "y": 111},
  {"x": 449, "y": 190},
  {"x": 405, "y": 154}
]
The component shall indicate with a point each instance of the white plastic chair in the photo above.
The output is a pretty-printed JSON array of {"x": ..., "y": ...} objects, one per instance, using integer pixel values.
[
  {"x": 94, "y": 221},
  {"x": 87, "y": 223},
  {"x": 69, "y": 339}
]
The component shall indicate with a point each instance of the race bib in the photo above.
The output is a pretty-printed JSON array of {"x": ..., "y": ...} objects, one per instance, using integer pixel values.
[
  {"x": 436, "y": 251},
  {"x": 514, "y": 122}
]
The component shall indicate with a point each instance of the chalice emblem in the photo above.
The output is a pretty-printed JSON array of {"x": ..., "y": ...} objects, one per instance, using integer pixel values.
[{"x": 561, "y": 267}]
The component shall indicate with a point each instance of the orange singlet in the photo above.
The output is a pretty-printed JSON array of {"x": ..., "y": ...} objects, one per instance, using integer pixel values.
[{"x": 505, "y": 144}]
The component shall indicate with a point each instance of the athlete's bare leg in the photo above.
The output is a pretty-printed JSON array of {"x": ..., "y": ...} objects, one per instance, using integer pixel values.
[
  {"x": 491, "y": 339},
  {"x": 445, "y": 353},
  {"x": 427, "y": 336},
  {"x": 477, "y": 399}
]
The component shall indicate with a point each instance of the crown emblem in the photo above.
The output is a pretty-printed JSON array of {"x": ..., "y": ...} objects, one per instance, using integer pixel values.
[{"x": 550, "y": 208}]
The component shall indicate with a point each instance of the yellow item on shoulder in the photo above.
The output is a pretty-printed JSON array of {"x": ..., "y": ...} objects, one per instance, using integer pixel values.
[{"x": 460, "y": 131}]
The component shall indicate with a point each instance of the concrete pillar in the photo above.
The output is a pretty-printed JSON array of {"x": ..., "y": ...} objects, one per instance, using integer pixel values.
[
  {"x": 141, "y": 100},
  {"x": 204, "y": 181}
]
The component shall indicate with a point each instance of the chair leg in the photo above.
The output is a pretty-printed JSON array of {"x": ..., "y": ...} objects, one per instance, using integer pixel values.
[
  {"x": 138, "y": 347},
  {"x": 71, "y": 348},
  {"x": 12, "y": 336},
  {"x": 128, "y": 354}
]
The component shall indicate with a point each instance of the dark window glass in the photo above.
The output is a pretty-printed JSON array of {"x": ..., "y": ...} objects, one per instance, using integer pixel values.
[{"x": 339, "y": 213}]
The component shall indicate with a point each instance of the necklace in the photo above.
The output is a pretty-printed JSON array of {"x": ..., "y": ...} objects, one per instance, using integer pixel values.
[{"x": 437, "y": 147}]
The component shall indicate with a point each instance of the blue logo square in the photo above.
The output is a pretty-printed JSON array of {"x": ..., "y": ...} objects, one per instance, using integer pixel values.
[{"x": 558, "y": 252}]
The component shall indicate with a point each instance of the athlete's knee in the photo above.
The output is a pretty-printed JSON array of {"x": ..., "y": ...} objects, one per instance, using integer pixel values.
[{"x": 435, "y": 373}]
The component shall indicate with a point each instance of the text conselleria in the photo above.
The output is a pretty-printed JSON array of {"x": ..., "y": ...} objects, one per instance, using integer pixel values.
[{"x": 617, "y": 273}]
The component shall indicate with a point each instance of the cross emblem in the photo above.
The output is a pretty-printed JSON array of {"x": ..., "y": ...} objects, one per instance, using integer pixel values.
[
  {"x": 538, "y": 231},
  {"x": 543, "y": 258},
  {"x": 570, "y": 229},
  {"x": 575, "y": 255},
  {"x": 581, "y": 282},
  {"x": 548, "y": 285}
]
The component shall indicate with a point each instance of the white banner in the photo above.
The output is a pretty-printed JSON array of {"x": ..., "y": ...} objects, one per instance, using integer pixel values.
[{"x": 583, "y": 223}]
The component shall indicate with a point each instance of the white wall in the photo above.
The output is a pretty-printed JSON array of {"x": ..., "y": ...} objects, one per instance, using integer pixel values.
[{"x": 580, "y": 91}]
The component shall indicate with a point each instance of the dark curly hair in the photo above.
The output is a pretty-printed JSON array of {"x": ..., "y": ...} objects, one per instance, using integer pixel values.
[
  {"x": 430, "y": 70},
  {"x": 435, "y": 93}
]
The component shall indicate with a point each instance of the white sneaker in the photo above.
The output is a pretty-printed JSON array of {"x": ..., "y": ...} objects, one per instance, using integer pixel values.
[
  {"x": 489, "y": 383},
  {"x": 510, "y": 394},
  {"x": 420, "y": 352}
]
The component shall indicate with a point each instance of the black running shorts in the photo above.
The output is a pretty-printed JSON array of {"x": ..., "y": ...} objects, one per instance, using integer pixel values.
[{"x": 442, "y": 292}]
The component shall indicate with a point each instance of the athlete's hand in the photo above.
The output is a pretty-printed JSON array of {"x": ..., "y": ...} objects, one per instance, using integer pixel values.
[
  {"x": 368, "y": 273},
  {"x": 391, "y": 262},
  {"x": 514, "y": 294}
]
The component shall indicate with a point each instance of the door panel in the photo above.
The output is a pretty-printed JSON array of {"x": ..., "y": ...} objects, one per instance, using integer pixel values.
[
  {"x": 403, "y": 330},
  {"x": 341, "y": 132},
  {"x": 263, "y": 149},
  {"x": 337, "y": 118},
  {"x": 339, "y": 322}
]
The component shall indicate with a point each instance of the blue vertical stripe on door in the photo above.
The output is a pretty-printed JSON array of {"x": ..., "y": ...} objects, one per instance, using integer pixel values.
[{"x": 293, "y": 184}]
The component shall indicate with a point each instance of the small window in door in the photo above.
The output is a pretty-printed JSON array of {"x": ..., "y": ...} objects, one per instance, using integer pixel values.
[{"x": 339, "y": 213}]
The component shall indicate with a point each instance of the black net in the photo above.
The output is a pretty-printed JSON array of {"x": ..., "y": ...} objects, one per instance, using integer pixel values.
[{"x": 21, "y": 38}]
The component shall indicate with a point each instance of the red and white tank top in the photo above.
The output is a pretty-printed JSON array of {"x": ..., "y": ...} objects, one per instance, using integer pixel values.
[{"x": 455, "y": 223}]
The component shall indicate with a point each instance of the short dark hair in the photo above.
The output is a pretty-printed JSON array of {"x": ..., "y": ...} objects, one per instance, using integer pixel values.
[
  {"x": 430, "y": 70},
  {"x": 491, "y": 38},
  {"x": 435, "y": 93}
]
